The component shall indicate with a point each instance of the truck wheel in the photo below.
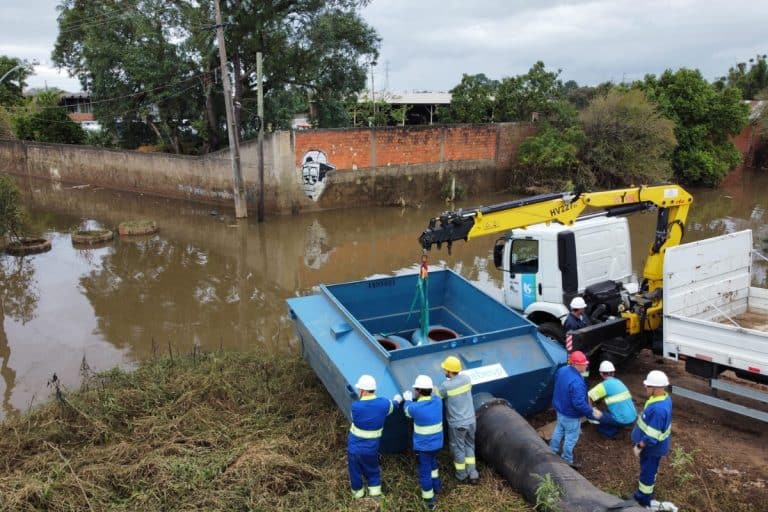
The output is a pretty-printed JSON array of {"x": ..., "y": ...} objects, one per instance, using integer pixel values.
[{"x": 553, "y": 330}]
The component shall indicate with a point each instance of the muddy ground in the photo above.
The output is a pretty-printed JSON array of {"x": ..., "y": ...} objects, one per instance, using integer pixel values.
[{"x": 718, "y": 462}]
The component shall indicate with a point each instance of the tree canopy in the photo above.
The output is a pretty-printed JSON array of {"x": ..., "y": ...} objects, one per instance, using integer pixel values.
[
  {"x": 705, "y": 118},
  {"x": 155, "y": 63},
  {"x": 12, "y": 86},
  {"x": 43, "y": 120},
  {"x": 751, "y": 78}
]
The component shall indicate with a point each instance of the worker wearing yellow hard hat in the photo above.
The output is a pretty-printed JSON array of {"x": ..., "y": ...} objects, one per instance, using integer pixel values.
[{"x": 456, "y": 391}]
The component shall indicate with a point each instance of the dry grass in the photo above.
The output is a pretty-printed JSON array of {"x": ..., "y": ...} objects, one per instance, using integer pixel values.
[{"x": 219, "y": 431}]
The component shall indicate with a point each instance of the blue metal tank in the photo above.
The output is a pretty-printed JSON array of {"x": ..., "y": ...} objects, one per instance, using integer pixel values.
[{"x": 342, "y": 330}]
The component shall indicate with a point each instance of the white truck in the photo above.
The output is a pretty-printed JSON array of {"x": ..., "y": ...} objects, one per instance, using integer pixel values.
[{"x": 715, "y": 320}]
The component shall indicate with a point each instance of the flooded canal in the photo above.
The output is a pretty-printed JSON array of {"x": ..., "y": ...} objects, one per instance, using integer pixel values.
[{"x": 209, "y": 281}]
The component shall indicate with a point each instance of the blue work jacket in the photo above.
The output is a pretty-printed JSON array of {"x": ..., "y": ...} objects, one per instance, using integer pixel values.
[
  {"x": 654, "y": 426},
  {"x": 570, "y": 395},
  {"x": 368, "y": 416},
  {"x": 427, "y": 414},
  {"x": 573, "y": 322}
]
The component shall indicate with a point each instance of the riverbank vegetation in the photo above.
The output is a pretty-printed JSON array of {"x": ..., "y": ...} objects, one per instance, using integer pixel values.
[
  {"x": 246, "y": 431},
  {"x": 218, "y": 431}
]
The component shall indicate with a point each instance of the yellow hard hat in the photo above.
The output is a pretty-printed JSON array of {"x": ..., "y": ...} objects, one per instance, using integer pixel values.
[{"x": 451, "y": 364}]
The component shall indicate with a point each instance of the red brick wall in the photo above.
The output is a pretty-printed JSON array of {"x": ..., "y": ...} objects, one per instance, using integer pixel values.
[
  {"x": 407, "y": 145},
  {"x": 346, "y": 149},
  {"x": 470, "y": 142},
  {"x": 358, "y": 148}
]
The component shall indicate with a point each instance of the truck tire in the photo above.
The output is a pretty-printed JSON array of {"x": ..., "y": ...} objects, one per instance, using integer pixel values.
[{"x": 553, "y": 330}]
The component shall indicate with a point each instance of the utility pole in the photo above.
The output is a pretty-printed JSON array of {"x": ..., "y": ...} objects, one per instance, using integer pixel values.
[
  {"x": 241, "y": 208},
  {"x": 373, "y": 93},
  {"x": 260, "y": 112}
]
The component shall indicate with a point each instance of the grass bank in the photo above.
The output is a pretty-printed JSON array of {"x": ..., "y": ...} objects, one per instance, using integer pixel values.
[{"x": 218, "y": 431}]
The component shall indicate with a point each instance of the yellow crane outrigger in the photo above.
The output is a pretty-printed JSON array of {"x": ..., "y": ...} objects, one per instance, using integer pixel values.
[{"x": 671, "y": 201}]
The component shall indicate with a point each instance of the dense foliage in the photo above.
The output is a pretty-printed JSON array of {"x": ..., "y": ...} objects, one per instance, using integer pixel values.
[
  {"x": 751, "y": 78},
  {"x": 619, "y": 139},
  {"x": 155, "y": 63},
  {"x": 705, "y": 118},
  {"x": 43, "y": 120},
  {"x": 12, "y": 86}
]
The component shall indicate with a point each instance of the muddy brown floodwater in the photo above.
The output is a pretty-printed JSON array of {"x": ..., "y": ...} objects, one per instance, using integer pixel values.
[{"x": 208, "y": 280}]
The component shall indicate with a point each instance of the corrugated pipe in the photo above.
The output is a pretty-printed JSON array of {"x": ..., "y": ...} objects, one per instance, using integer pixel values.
[{"x": 512, "y": 447}]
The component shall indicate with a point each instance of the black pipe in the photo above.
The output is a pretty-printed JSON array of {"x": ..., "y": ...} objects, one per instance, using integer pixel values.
[{"x": 512, "y": 447}]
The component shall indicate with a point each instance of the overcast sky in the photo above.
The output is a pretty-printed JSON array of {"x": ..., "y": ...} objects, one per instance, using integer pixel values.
[{"x": 428, "y": 44}]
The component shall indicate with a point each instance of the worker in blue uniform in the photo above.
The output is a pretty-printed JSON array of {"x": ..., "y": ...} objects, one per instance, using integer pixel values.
[
  {"x": 570, "y": 402},
  {"x": 621, "y": 411},
  {"x": 427, "y": 414},
  {"x": 577, "y": 318},
  {"x": 368, "y": 416},
  {"x": 651, "y": 435}
]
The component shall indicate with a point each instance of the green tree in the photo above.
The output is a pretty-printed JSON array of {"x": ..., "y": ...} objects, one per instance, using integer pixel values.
[
  {"x": 472, "y": 100},
  {"x": 11, "y": 213},
  {"x": 44, "y": 120},
  {"x": 155, "y": 62},
  {"x": 12, "y": 87},
  {"x": 538, "y": 90},
  {"x": 627, "y": 141},
  {"x": 705, "y": 118},
  {"x": 751, "y": 78}
]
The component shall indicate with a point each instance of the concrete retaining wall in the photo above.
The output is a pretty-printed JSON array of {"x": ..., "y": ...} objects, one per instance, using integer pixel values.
[{"x": 372, "y": 166}]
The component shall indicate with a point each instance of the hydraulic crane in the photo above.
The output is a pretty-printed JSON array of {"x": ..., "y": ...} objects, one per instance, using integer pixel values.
[{"x": 560, "y": 245}]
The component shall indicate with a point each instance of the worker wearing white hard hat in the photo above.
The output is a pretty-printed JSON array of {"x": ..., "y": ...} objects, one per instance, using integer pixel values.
[
  {"x": 368, "y": 416},
  {"x": 427, "y": 414},
  {"x": 651, "y": 435},
  {"x": 577, "y": 318},
  {"x": 620, "y": 411}
]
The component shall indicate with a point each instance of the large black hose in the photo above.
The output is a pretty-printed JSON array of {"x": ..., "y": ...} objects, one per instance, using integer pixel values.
[{"x": 512, "y": 447}]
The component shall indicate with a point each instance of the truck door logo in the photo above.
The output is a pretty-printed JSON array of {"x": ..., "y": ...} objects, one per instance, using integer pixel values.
[{"x": 528, "y": 282}]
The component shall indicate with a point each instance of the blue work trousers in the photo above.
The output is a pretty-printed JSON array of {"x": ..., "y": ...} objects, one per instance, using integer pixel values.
[
  {"x": 364, "y": 466},
  {"x": 608, "y": 426},
  {"x": 567, "y": 431},
  {"x": 429, "y": 476},
  {"x": 649, "y": 465}
]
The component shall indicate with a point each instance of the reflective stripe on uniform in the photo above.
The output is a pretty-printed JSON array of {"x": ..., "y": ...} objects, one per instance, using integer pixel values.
[
  {"x": 428, "y": 429},
  {"x": 466, "y": 388},
  {"x": 645, "y": 489},
  {"x": 428, "y": 495},
  {"x": 597, "y": 392},
  {"x": 620, "y": 397},
  {"x": 391, "y": 408},
  {"x": 652, "y": 432},
  {"x": 365, "y": 434},
  {"x": 469, "y": 460},
  {"x": 374, "y": 490},
  {"x": 358, "y": 494},
  {"x": 435, "y": 473},
  {"x": 459, "y": 466}
]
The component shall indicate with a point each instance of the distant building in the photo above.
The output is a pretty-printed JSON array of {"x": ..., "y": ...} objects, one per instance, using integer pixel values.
[
  {"x": 80, "y": 109},
  {"x": 423, "y": 106}
]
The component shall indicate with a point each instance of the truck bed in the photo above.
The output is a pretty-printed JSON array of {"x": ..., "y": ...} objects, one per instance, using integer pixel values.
[{"x": 707, "y": 289}]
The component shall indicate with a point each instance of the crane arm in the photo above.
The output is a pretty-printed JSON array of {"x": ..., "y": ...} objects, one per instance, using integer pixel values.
[{"x": 564, "y": 208}]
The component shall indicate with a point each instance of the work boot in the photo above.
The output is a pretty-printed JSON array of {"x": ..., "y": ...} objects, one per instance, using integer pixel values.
[
  {"x": 474, "y": 481},
  {"x": 430, "y": 504},
  {"x": 575, "y": 465}
]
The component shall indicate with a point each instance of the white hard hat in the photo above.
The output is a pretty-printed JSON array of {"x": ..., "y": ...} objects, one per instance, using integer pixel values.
[
  {"x": 656, "y": 379},
  {"x": 606, "y": 367},
  {"x": 423, "y": 382},
  {"x": 366, "y": 383},
  {"x": 578, "y": 303}
]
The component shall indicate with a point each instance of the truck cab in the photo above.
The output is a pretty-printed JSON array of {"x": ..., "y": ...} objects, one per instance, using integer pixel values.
[{"x": 545, "y": 266}]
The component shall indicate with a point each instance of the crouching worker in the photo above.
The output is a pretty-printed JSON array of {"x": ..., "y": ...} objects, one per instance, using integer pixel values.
[
  {"x": 427, "y": 414},
  {"x": 456, "y": 392},
  {"x": 621, "y": 411},
  {"x": 368, "y": 415}
]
